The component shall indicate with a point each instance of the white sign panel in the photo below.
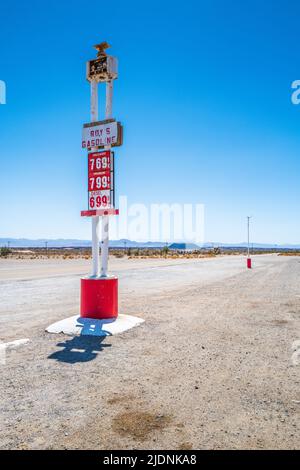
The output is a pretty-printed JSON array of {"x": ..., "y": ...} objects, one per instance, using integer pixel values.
[
  {"x": 100, "y": 199},
  {"x": 101, "y": 134}
]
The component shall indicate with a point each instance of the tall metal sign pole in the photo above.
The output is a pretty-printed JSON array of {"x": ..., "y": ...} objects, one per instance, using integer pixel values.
[
  {"x": 249, "y": 263},
  {"x": 99, "y": 292}
]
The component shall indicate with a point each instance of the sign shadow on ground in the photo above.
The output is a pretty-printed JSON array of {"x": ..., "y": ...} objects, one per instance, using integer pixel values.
[{"x": 79, "y": 349}]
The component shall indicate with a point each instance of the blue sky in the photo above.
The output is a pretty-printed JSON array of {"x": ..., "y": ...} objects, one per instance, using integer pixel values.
[{"x": 204, "y": 93}]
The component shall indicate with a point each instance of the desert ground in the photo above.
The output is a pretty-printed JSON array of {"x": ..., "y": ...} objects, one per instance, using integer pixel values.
[{"x": 214, "y": 365}]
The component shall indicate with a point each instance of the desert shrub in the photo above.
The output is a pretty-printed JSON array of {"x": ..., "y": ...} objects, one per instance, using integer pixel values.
[
  {"x": 165, "y": 250},
  {"x": 211, "y": 254},
  {"x": 4, "y": 252},
  {"x": 147, "y": 252}
]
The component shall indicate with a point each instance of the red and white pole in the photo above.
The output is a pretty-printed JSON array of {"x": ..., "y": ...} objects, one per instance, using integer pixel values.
[
  {"x": 249, "y": 261},
  {"x": 99, "y": 294}
]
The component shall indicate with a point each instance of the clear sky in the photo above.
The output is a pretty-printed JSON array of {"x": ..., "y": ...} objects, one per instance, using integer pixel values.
[{"x": 204, "y": 93}]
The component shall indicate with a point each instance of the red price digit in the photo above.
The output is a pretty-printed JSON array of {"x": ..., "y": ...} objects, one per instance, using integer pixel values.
[{"x": 92, "y": 202}]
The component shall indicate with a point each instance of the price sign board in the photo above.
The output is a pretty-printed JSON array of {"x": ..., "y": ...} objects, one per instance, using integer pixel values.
[
  {"x": 102, "y": 133},
  {"x": 99, "y": 161},
  {"x": 101, "y": 180}
]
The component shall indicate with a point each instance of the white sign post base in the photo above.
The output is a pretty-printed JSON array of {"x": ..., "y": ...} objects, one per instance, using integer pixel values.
[{"x": 78, "y": 326}]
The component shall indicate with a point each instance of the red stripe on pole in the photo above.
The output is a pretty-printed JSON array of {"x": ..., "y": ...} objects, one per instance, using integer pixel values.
[{"x": 100, "y": 212}]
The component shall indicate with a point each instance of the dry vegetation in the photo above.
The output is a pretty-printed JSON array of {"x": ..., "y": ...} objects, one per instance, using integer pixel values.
[
  {"x": 39, "y": 253},
  {"x": 130, "y": 253},
  {"x": 85, "y": 253}
]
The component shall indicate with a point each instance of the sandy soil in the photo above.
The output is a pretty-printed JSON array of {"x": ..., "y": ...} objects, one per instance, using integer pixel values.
[{"x": 211, "y": 367}]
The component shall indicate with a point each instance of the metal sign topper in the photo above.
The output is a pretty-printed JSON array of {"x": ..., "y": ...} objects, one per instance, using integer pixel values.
[{"x": 104, "y": 68}]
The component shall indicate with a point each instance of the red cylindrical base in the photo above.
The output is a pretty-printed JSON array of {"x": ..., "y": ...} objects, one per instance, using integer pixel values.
[
  {"x": 249, "y": 263},
  {"x": 99, "y": 298}
]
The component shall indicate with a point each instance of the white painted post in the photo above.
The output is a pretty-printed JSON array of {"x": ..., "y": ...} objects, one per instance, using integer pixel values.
[
  {"x": 105, "y": 218},
  {"x": 95, "y": 220}
]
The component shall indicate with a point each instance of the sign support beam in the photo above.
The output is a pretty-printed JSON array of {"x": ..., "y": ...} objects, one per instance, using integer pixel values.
[
  {"x": 95, "y": 220},
  {"x": 105, "y": 218}
]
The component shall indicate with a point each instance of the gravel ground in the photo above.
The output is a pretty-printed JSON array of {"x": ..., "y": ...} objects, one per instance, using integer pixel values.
[{"x": 211, "y": 367}]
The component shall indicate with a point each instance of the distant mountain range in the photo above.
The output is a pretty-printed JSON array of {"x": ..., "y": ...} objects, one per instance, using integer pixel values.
[{"x": 74, "y": 243}]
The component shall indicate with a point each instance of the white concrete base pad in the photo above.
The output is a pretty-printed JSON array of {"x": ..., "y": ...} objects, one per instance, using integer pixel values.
[{"x": 88, "y": 326}]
